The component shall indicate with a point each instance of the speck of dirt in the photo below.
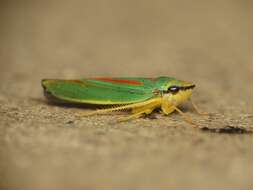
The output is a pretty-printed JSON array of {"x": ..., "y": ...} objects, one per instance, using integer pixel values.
[{"x": 227, "y": 130}]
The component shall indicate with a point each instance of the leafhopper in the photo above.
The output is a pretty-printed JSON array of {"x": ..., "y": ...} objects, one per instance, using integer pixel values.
[{"x": 139, "y": 95}]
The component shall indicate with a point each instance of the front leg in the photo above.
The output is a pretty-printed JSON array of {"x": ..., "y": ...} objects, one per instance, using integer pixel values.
[{"x": 168, "y": 108}]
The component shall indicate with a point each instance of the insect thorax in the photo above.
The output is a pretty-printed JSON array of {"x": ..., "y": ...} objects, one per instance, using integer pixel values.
[{"x": 177, "y": 98}]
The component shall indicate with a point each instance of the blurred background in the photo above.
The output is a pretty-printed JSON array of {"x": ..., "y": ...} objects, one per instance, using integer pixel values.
[{"x": 208, "y": 42}]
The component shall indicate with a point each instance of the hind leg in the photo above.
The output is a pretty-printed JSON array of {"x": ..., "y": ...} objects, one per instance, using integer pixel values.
[
  {"x": 137, "y": 115},
  {"x": 135, "y": 107},
  {"x": 143, "y": 109}
]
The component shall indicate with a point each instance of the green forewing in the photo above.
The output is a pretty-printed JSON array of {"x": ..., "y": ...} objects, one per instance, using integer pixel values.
[{"x": 105, "y": 90}]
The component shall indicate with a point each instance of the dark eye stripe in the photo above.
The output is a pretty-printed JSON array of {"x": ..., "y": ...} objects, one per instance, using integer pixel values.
[
  {"x": 187, "y": 87},
  {"x": 175, "y": 89}
]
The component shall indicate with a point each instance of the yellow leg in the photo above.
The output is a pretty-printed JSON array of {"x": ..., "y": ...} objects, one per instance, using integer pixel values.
[
  {"x": 150, "y": 105},
  {"x": 136, "y": 115},
  {"x": 186, "y": 117},
  {"x": 169, "y": 108},
  {"x": 141, "y": 110},
  {"x": 106, "y": 110},
  {"x": 135, "y": 106},
  {"x": 197, "y": 109}
]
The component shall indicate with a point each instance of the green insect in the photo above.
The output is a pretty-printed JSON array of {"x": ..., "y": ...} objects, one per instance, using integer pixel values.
[{"x": 139, "y": 95}]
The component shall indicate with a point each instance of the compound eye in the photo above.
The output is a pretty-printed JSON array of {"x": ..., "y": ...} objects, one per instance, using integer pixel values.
[{"x": 173, "y": 89}]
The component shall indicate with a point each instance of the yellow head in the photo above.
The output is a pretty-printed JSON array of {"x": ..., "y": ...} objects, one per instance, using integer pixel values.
[{"x": 179, "y": 93}]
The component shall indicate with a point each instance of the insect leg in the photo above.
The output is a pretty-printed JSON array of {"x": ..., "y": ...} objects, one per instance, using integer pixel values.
[
  {"x": 141, "y": 110},
  {"x": 168, "y": 108},
  {"x": 121, "y": 108},
  {"x": 136, "y": 115},
  {"x": 148, "y": 106},
  {"x": 186, "y": 117},
  {"x": 197, "y": 109}
]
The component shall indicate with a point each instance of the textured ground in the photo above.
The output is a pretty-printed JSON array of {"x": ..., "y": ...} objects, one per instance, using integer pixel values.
[{"x": 44, "y": 146}]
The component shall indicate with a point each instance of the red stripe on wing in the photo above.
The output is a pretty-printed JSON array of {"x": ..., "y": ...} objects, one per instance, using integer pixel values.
[{"x": 120, "y": 81}]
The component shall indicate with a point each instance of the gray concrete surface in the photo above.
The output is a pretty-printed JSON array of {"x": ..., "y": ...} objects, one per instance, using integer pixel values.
[{"x": 43, "y": 146}]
